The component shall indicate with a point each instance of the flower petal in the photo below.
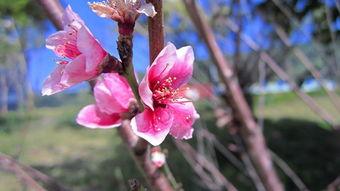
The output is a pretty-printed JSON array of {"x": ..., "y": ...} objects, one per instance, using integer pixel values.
[
  {"x": 90, "y": 47},
  {"x": 71, "y": 17},
  {"x": 58, "y": 39},
  {"x": 183, "y": 67},
  {"x": 163, "y": 63},
  {"x": 91, "y": 117},
  {"x": 113, "y": 94},
  {"x": 145, "y": 92},
  {"x": 52, "y": 83},
  {"x": 148, "y": 9},
  {"x": 74, "y": 72},
  {"x": 102, "y": 9},
  {"x": 152, "y": 126},
  {"x": 185, "y": 117},
  {"x": 156, "y": 72}
]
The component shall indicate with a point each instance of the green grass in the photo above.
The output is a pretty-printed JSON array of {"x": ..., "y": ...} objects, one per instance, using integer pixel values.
[
  {"x": 85, "y": 159},
  {"x": 49, "y": 140},
  {"x": 288, "y": 105}
]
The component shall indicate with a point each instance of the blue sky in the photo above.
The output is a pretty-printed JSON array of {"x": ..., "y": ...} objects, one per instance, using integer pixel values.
[{"x": 42, "y": 60}]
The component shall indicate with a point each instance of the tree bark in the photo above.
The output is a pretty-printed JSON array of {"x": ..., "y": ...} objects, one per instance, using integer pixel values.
[{"x": 54, "y": 11}]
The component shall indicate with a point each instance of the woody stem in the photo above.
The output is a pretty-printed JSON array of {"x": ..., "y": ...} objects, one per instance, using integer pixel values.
[{"x": 125, "y": 45}]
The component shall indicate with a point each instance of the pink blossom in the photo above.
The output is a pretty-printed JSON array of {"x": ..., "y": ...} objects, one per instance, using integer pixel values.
[
  {"x": 81, "y": 52},
  {"x": 113, "y": 95},
  {"x": 166, "y": 110},
  {"x": 125, "y": 12}
]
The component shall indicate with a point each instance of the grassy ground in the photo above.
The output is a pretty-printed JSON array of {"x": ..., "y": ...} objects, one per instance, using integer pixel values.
[
  {"x": 85, "y": 159},
  {"x": 288, "y": 105},
  {"x": 49, "y": 140}
]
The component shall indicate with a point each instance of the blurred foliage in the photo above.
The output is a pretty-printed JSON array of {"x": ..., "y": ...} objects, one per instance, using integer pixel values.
[
  {"x": 13, "y": 121},
  {"x": 316, "y": 9},
  {"x": 21, "y": 27},
  {"x": 23, "y": 11}
]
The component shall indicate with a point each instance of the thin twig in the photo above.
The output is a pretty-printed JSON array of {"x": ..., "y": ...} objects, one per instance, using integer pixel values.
[
  {"x": 289, "y": 172},
  {"x": 206, "y": 180},
  {"x": 253, "y": 174},
  {"x": 186, "y": 148},
  {"x": 283, "y": 75},
  {"x": 139, "y": 149},
  {"x": 305, "y": 97},
  {"x": 297, "y": 24},
  {"x": 250, "y": 131},
  {"x": 28, "y": 173},
  {"x": 332, "y": 34},
  {"x": 262, "y": 98},
  {"x": 219, "y": 146},
  {"x": 309, "y": 66}
]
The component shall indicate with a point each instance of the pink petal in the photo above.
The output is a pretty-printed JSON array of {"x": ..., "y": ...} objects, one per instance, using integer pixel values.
[
  {"x": 185, "y": 117},
  {"x": 156, "y": 72},
  {"x": 102, "y": 9},
  {"x": 91, "y": 117},
  {"x": 52, "y": 83},
  {"x": 90, "y": 47},
  {"x": 148, "y": 9},
  {"x": 74, "y": 72},
  {"x": 152, "y": 126},
  {"x": 70, "y": 17},
  {"x": 145, "y": 92},
  {"x": 58, "y": 39},
  {"x": 183, "y": 67},
  {"x": 113, "y": 94},
  {"x": 163, "y": 63}
]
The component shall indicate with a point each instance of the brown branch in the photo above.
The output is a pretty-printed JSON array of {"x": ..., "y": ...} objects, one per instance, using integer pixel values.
[
  {"x": 205, "y": 179},
  {"x": 245, "y": 157},
  {"x": 156, "y": 30},
  {"x": 138, "y": 147},
  {"x": 248, "y": 167},
  {"x": 28, "y": 173},
  {"x": 186, "y": 148},
  {"x": 306, "y": 98},
  {"x": 249, "y": 130},
  {"x": 309, "y": 66},
  {"x": 289, "y": 172},
  {"x": 287, "y": 12},
  {"x": 283, "y": 75},
  {"x": 227, "y": 154},
  {"x": 54, "y": 11},
  {"x": 329, "y": 16},
  {"x": 280, "y": 162},
  {"x": 219, "y": 146}
]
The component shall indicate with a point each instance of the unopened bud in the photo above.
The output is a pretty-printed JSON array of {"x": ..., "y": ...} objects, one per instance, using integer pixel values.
[{"x": 157, "y": 157}]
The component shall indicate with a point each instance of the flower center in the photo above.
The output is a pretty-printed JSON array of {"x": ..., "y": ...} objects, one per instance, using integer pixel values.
[
  {"x": 163, "y": 92},
  {"x": 68, "y": 47}
]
